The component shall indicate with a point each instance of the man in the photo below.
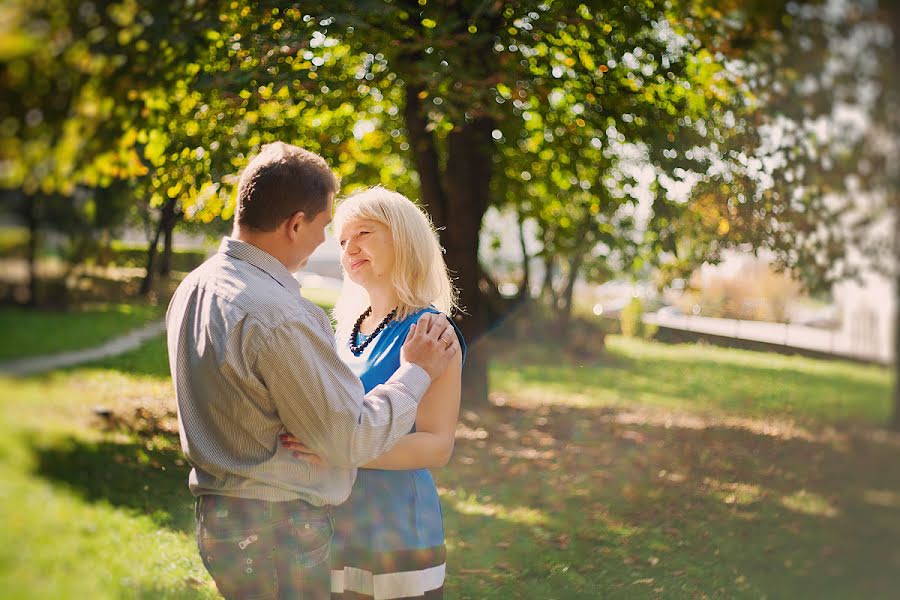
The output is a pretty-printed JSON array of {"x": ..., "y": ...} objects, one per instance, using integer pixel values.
[{"x": 251, "y": 359}]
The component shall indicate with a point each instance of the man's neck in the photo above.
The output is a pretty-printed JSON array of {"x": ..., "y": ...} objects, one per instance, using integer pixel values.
[{"x": 262, "y": 240}]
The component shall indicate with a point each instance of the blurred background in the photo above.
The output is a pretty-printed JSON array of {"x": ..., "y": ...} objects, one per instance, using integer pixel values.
[{"x": 674, "y": 226}]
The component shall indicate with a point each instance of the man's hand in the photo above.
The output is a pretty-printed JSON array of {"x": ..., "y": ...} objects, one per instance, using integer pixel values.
[
  {"x": 430, "y": 343},
  {"x": 301, "y": 450}
]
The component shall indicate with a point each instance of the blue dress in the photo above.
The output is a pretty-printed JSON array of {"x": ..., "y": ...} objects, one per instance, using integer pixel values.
[{"x": 389, "y": 534}]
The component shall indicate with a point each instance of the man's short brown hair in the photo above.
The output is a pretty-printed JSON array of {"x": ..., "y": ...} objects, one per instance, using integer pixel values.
[{"x": 280, "y": 181}]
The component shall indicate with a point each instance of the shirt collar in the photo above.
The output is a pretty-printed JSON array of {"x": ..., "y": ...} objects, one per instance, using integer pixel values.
[{"x": 260, "y": 259}]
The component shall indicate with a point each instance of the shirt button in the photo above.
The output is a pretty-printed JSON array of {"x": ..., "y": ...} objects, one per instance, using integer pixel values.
[{"x": 307, "y": 525}]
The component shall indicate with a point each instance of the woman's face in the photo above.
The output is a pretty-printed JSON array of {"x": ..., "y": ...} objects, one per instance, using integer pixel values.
[{"x": 367, "y": 252}]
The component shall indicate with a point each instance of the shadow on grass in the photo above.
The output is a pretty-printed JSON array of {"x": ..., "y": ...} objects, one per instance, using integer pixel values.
[
  {"x": 147, "y": 476},
  {"x": 569, "y": 500},
  {"x": 562, "y": 502}
]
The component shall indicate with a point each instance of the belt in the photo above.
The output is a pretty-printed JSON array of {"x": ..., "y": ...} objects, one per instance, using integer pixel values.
[{"x": 232, "y": 504}]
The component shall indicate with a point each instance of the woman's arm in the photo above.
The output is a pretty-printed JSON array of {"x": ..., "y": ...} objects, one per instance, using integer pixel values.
[{"x": 432, "y": 444}]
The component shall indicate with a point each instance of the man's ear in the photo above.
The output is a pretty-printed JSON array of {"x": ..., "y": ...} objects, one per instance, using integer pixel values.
[{"x": 294, "y": 224}]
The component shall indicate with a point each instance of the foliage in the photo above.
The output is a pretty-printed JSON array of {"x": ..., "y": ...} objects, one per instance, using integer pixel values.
[
  {"x": 632, "y": 321},
  {"x": 809, "y": 175},
  {"x": 130, "y": 255},
  {"x": 54, "y": 134},
  {"x": 13, "y": 242}
]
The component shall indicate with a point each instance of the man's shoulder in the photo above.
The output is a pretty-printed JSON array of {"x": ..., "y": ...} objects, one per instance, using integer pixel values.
[{"x": 245, "y": 287}]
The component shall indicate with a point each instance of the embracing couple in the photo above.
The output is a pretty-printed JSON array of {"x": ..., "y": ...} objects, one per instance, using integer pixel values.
[{"x": 310, "y": 449}]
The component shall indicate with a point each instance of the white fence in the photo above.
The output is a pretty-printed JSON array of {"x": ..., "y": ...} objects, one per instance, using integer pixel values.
[{"x": 836, "y": 342}]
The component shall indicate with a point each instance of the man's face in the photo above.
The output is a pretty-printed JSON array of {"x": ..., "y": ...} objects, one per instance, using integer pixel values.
[{"x": 312, "y": 234}]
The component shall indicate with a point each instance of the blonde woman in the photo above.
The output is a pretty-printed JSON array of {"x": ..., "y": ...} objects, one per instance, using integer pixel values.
[{"x": 389, "y": 540}]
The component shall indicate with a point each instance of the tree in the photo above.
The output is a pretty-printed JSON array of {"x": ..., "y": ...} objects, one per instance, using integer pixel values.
[
  {"x": 809, "y": 174},
  {"x": 453, "y": 84},
  {"x": 451, "y": 102},
  {"x": 56, "y": 137}
]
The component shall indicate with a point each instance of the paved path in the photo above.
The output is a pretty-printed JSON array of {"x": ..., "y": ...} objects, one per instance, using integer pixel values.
[{"x": 120, "y": 345}]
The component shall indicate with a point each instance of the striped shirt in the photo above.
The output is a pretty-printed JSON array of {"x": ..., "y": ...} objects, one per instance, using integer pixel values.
[{"x": 251, "y": 359}]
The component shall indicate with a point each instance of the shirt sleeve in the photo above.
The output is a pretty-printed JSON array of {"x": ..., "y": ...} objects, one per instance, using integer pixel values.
[{"x": 323, "y": 404}]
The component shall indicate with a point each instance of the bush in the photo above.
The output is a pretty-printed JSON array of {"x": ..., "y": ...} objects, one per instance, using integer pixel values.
[
  {"x": 131, "y": 255},
  {"x": 535, "y": 326},
  {"x": 13, "y": 242},
  {"x": 632, "y": 321}
]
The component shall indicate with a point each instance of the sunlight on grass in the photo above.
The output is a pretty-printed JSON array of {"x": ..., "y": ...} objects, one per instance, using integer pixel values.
[
  {"x": 883, "y": 498},
  {"x": 39, "y": 332},
  {"x": 470, "y": 504},
  {"x": 734, "y": 493},
  {"x": 809, "y": 503},
  {"x": 74, "y": 549},
  {"x": 696, "y": 378},
  {"x": 64, "y": 399}
]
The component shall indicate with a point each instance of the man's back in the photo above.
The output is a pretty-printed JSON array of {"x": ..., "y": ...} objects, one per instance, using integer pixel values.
[{"x": 219, "y": 323}]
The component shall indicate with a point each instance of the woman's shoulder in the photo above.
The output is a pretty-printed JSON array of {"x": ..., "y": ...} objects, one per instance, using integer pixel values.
[
  {"x": 414, "y": 316},
  {"x": 415, "y": 313}
]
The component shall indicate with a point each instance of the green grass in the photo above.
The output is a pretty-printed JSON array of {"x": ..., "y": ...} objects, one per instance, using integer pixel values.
[
  {"x": 324, "y": 297},
  {"x": 645, "y": 474},
  {"x": 89, "y": 513},
  {"x": 699, "y": 378},
  {"x": 35, "y": 332}
]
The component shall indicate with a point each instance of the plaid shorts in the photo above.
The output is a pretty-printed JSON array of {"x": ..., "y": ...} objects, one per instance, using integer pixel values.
[{"x": 258, "y": 550}]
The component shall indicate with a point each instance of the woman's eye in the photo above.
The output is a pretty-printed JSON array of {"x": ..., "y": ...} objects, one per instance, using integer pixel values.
[{"x": 364, "y": 233}]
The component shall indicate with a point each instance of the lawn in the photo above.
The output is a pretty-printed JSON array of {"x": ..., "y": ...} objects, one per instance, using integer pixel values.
[
  {"x": 35, "y": 332},
  {"x": 653, "y": 472},
  {"x": 31, "y": 332}
]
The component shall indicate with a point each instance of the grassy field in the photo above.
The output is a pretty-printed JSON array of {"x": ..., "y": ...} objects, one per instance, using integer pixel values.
[
  {"x": 653, "y": 472},
  {"x": 28, "y": 332}
]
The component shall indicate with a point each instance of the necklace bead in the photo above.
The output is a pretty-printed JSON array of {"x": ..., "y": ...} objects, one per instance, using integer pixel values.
[{"x": 357, "y": 350}]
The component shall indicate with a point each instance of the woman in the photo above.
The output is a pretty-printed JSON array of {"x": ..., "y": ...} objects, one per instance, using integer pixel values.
[{"x": 389, "y": 540}]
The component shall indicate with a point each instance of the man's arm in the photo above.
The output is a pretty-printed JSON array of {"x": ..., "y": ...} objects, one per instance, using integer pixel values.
[{"x": 321, "y": 401}]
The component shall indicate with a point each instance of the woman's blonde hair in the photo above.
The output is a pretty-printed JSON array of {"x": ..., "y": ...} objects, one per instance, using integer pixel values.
[{"x": 420, "y": 275}]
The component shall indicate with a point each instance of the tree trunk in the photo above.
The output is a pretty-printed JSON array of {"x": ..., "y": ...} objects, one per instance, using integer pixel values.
[
  {"x": 548, "y": 292},
  {"x": 165, "y": 263},
  {"x": 464, "y": 192},
  {"x": 564, "y": 310},
  {"x": 33, "y": 218},
  {"x": 426, "y": 158},
  {"x": 468, "y": 179},
  {"x": 525, "y": 285},
  {"x": 893, "y": 18},
  {"x": 895, "y": 421},
  {"x": 152, "y": 252}
]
